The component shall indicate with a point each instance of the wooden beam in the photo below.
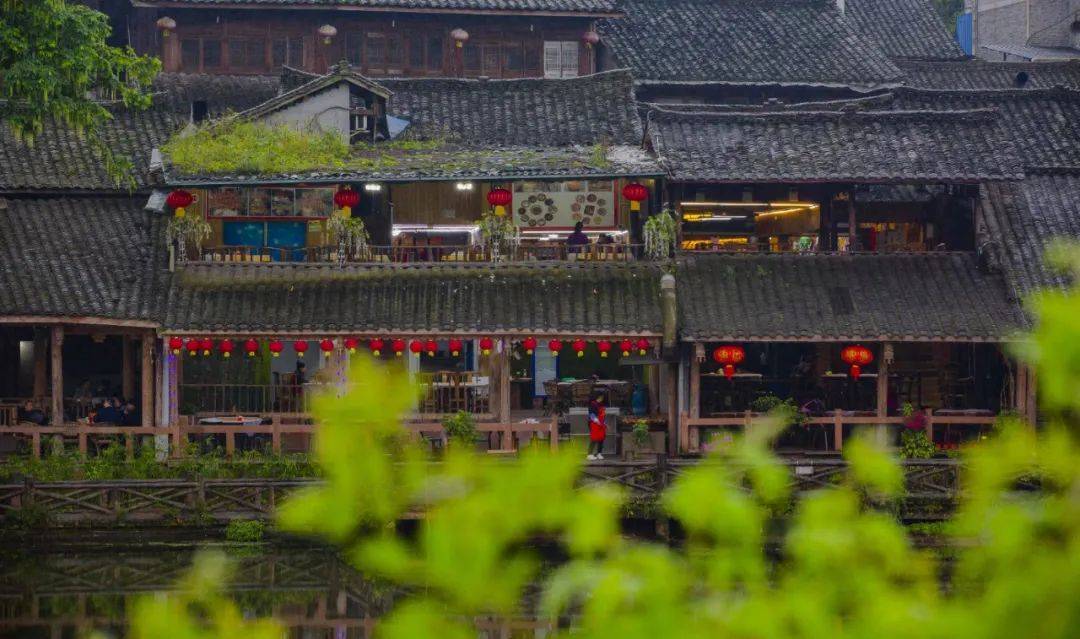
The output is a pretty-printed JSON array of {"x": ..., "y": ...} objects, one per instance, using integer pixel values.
[
  {"x": 75, "y": 321},
  {"x": 127, "y": 375},
  {"x": 147, "y": 383},
  {"x": 56, "y": 354}
]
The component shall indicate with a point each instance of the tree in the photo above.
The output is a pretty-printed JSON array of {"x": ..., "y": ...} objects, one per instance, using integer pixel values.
[{"x": 56, "y": 66}]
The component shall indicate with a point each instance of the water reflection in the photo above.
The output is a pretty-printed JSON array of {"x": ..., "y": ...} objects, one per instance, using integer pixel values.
[{"x": 61, "y": 595}]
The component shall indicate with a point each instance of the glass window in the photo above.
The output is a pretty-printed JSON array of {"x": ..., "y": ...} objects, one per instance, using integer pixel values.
[
  {"x": 282, "y": 202},
  {"x": 354, "y": 49},
  {"x": 560, "y": 59},
  {"x": 225, "y": 202},
  {"x": 259, "y": 202},
  {"x": 435, "y": 53},
  {"x": 376, "y": 50},
  {"x": 189, "y": 55},
  {"x": 211, "y": 54},
  {"x": 491, "y": 60},
  {"x": 315, "y": 202},
  {"x": 471, "y": 57}
]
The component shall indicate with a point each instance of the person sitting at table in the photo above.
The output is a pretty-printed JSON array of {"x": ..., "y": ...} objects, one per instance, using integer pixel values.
[
  {"x": 30, "y": 413},
  {"x": 108, "y": 413},
  {"x": 577, "y": 239},
  {"x": 129, "y": 415}
]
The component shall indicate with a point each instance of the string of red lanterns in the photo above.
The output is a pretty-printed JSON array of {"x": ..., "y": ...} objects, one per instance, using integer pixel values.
[{"x": 729, "y": 357}]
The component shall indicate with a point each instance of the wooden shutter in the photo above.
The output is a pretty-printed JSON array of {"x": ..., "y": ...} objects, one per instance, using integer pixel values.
[
  {"x": 569, "y": 59},
  {"x": 552, "y": 59}
]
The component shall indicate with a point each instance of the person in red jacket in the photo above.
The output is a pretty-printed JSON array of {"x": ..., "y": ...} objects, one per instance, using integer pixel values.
[{"x": 597, "y": 427}]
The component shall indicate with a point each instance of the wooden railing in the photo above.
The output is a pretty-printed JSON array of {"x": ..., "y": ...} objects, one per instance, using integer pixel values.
[
  {"x": 413, "y": 254},
  {"x": 690, "y": 428}
]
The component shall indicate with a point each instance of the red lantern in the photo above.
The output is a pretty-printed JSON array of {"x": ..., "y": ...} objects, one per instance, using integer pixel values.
[
  {"x": 226, "y": 347},
  {"x": 555, "y": 346},
  {"x": 300, "y": 346},
  {"x": 350, "y": 344},
  {"x": 327, "y": 347},
  {"x": 486, "y": 345},
  {"x": 856, "y": 356},
  {"x": 175, "y": 344},
  {"x": 416, "y": 346},
  {"x": 276, "y": 347},
  {"x": 179, "y": 200},
  {"x": 643, "y": 346},
  {"x": 729, "y": 357},
  {"x": 590, "y": 38},
  {"x": 193, "y": 346},
  {"x": 346, "y": 198},
  {"x": 636, "y": 193},
  {"x": 500, "y": 199},
  {"x": 399, "y": 347},
  {"x": 251, "y": 347},
  {"x": 579, "y": 347},
  {"x": 529, "y": 344},
  {"x": 456, "y": 347},
  {"x": 625, "y": 347},
  {"x": 460, "y": 37},
  {"x": 431, "y": 346},
  {"x": 729, "y": 370},
  {"x": 604, "y": 347},
  {"x": 376, "y": 346},
  {"x": 207, "y": 345}
]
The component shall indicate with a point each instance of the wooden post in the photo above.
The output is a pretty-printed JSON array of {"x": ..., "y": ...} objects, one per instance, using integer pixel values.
[
  {"x": 882, "y": 430},
  {"x": 147, "y": 383},
  {"x": 695, "y": 382},
  {"x": 502, "y": 373},
  {"x": 1020, "y": 392},
  {"x": 56, "y": 354},
  {"x": 41, "y": 365},
  {"x": 127, "y": 369},
  {"x": 275, "y": 434},
  {"x": 553, "y": 433},
  {"x": 853, "y": 237},
  {"x": 930, "y": 425},
  {"x": 684, "y": 434},
  {"x": 838, "y": 429},
  {"x": 1031, "y": 401}
]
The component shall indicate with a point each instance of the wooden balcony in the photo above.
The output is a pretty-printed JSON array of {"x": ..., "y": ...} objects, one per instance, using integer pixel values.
[{"x": 404, "y": 255}]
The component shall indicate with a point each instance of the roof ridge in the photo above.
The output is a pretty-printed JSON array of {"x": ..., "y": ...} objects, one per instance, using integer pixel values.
[
  {"x": 1012, "y": 92},
  {"x": 978, "y": 114},
  {"x": 622, "y": 71}
]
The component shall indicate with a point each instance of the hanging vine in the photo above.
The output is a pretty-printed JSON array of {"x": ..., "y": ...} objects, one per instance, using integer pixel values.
[
  {"x": 660, "y": 233},
  {"x": 184, "y": 230},
  {"x": 352, "y": 236},
  {"x": 499, "y": 234}
]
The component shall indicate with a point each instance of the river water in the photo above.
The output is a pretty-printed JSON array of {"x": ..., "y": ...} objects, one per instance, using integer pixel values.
[{"x": 61, "y": 591}]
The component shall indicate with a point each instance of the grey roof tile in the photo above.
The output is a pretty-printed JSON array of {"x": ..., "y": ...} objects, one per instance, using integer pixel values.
[
  {"x": 784, "y": 41},
  {"x": 904, "y": 28},
  {"x": 587, "y": 7},
  {"x": 221, "y": 93},
  {"x": 930, "y": 296},
  {"x": 979, "y": 74}
]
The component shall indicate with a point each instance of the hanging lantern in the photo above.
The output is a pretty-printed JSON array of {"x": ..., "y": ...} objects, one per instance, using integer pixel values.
[
  {"x": 579, "y": 347},
  {"x": 350, "y": 344},
  {"x": 376, "y": 346},
  {"x": 625, "y": 347},
  {"x": 179, "y": 200},
  {"x": 643, "y": 346},
  {"x": 431, "y": 346},
  {"x": 327, "y": 31},
  {"x": 251, "y": 347},
  {"x": 456, "y": 347},
  {"x": 856, "y": 356},
  {"x": 486, "y": 345},
  {"x": 499, "y": 198},
  {"x": 207, "y": 345},
  {"x": 175, "y": 345},
  {"x": 555, "y": 346},
  {"x": 166, "y": 25},
  {"x": 529, "y": 344},
  {"x": 193, "y": 347},
  {"x": 590, "y": 38},
  {"x": 416, "y": 347},
  {"x": 604, "y": 347},
  {"x": 399, "y": 347},
  {"x": 460, "y": 37},
  {"x": 276, "y": 347},
  {"x": 636, "y": 193},
  {"x": 729, "y": 357},
  {"x": 300, "y": 346},
  {"x": 345, "y": 199},
  {"x": 729, "y": 371},
  {"x": 327, "y": 347},
  {"x": 226, "y": 347}
]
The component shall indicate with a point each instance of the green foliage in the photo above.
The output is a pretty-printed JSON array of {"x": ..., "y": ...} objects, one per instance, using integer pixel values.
[
  {"x": 640, "y": 432},
  {"x": 54, "y": 58},
  {"x": 199, "y": 609},
  {"x": 461, "y": 428},
  {"x": 497, "y": 231},
  {"x": 660, "y": 233},
  {"x": 245, "y": 531},
  {"x": 234, "y": 146},
  {"x": 914, "y": 444},
  {"x": 187, "y": 229},
  {"x": 786, "y": 409}
]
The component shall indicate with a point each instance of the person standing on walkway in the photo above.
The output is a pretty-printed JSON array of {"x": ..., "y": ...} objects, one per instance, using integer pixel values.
[{"x": 597, "y": 428}]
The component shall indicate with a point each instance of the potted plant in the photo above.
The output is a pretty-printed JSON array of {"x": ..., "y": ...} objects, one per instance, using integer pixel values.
[
  {"x": 641, "y": 441},
  {"x": 914, "y": 443},
  {"x": 461, "y": 429},
  {"x": 660, "y": 232},
  {"x": 352, "y": 236}
]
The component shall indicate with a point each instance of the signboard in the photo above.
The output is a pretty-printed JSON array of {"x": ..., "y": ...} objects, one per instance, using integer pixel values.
[{"x": 560, "y": 205}]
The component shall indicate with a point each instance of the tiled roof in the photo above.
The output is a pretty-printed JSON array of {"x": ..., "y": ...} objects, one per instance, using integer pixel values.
[
  {"x": 903, "y": 28},
  {"x": 611, "y": 299},
  {"x": 900, "y": 297},
  {"x": 1022, "y": 218},
  {"x": 1042, "y": 125},
  {"x": 585, "y": 7},
  {"x": 221, "y": 93},
  {"x": 833, "y": 146},
  {"x": 1034, "y": 52},
  {"x": 81, "y": 257},
  {"x": 60, "y": 159},
  {"x": 979, "y": 74},
  {"x": 530, "y": 112},
  {"x": 788, "y": 41}
]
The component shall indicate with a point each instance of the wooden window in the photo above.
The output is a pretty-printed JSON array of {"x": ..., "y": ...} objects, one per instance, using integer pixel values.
[
  {"x": 533, "y": 57},
  {"x": 471, "y": 57},
  {"x": 287, "y": 51},
  {"x": 375, "y": 51},
  {"x": 354, "y": 49},
  {"x": 247, "y": 54},
  {"x": 560, "y": 59},
  {"x": 189, "y": 54},
  {"x": 491, "y": 65},
  {"x": 211, "y": 54},
  {"x": 513, "y": 62},
  {"x": 416, "y": 51},
  {"x": 435, "y": 53}
]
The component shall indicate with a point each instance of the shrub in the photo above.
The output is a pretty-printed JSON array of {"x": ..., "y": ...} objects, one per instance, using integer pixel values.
[
  {"x": 245, "y": 531},
  {"x": 914, "y": 444},
  {"x": 461, "y": 428}
]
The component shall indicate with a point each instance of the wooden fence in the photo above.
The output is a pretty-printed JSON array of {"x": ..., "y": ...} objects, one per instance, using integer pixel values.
[
  {"x": 833, "y": 424},
  {"x": 931, "y": 485}
]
